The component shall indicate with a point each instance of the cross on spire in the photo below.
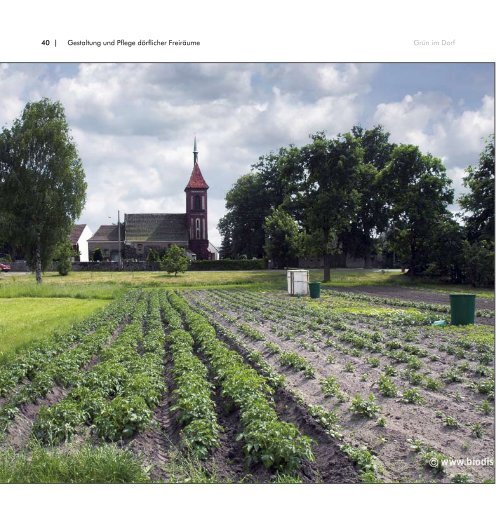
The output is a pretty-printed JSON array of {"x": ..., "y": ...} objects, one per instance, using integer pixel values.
[{"x": 195, "y": 151}]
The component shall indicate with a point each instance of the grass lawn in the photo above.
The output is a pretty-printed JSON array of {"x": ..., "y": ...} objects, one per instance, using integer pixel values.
[
  {"x": 105, "y": 285},
  {"x": 25, "y": 319}
]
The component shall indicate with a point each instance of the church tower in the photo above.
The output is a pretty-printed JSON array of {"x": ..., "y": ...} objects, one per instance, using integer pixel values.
[{"x": 196, "y": 210}]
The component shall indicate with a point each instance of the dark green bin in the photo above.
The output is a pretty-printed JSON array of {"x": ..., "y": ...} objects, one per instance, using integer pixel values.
[
  {"x": 463, "y": 309},
  {"x": 314, "y": 289}
]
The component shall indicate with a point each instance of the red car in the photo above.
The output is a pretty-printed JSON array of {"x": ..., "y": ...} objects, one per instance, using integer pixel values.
[{"x": 4, "y": 267}]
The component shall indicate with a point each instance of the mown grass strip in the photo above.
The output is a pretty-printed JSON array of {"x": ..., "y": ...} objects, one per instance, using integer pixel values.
[{"x": 89, "y": 465}]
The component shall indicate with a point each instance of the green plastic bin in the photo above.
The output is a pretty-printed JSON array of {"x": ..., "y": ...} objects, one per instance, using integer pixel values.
[
  {"x": 314, "y": 289},
  {"x": 463, "y": 309}
]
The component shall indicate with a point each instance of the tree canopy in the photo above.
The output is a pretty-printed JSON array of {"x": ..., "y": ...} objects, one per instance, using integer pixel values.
[
  {"x": 282, "y": 238},
  {"x": 359, "y": 194},
  {"x": 418, "y": 205},
  {"x": 479, "y": 203}
]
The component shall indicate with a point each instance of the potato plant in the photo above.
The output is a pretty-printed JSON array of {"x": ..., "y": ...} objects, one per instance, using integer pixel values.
[
  {"x": 117, "y": 395},
  {"x": 267, "y": 439},
  {"x": 194, "y": 406}
]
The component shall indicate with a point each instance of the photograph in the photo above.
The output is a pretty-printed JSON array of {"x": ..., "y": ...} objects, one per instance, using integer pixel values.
[{"x": 247, "y": 272}]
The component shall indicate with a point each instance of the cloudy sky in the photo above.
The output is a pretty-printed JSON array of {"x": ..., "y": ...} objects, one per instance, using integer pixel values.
[{"x": 134, "y": 123}]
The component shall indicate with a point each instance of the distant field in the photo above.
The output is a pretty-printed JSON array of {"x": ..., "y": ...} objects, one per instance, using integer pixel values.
[
  {"x": 25, "y": 319},
  {"x": 105, "y": 285}
]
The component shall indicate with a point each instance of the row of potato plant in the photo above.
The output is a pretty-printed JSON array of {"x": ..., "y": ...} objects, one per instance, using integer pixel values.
[
  {"x": 397, "y": 352},
  {"x": 289, "y": 359},
  {"x": 194, "y": 406},
  {"x": 267, "y": 439},
  {"x": 368, "y": 464},
  {"x": 116, "y": 396},
  {"x": 357, "y": 340},
  {"x": 63, "y": 369},
  {"x": 31, "y": 358},
  {"x": 401, "y": 352}
]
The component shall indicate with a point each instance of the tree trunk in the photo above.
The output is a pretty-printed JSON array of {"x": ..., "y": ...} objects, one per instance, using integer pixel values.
[
  {"x": 413, "y": 252},
  {"x": 368, "y": 261},
  {"x": 326, "y": 266},
  {"x": 38, "y": 259}
]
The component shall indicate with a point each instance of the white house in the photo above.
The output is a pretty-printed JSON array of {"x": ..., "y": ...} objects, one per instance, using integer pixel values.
[{"x": 79, "y": 241}]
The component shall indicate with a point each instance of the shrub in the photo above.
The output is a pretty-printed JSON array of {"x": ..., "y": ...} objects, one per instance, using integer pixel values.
[
  {"x": 97, "y": 255},
  {"x": 175, "y": 260}
]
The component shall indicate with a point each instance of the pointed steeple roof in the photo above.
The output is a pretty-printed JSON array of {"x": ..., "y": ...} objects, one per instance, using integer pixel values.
[{"x": 196, "y": 180}]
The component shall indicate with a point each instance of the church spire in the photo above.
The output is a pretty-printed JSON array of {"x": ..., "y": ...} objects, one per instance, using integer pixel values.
[
  {"x": 195, "y": 151},
  {"x": 196, "y": 180}
]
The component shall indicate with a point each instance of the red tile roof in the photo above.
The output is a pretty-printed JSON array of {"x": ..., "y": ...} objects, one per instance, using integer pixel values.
[{"x": 196, "y": 180}]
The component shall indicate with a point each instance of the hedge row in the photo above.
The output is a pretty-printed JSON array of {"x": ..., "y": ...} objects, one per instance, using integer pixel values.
[{"x": 229, "y": 264}]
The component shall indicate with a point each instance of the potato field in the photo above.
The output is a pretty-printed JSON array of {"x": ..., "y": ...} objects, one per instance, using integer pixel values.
[{"x": 247, "y": 385}]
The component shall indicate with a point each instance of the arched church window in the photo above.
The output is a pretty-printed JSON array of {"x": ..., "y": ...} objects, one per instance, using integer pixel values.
[
  {"x": 197, "y": 202},
  {"x": 198, "y": 228}
]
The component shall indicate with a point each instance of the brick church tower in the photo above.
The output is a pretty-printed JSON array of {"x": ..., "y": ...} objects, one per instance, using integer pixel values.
[{"x": 196, "y": 211}]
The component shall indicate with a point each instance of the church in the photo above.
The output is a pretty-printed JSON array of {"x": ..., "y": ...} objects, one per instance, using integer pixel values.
[{"x": 140, "y": 233}]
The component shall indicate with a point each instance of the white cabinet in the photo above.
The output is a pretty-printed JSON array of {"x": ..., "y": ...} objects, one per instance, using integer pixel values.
[{"x": 298, "y": 282}]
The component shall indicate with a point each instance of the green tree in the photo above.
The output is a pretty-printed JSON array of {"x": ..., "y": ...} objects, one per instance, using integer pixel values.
[
  {"x": 42, "y": 181},
  {"x": 360, "y": 238},
  {"x": 418, "y": 193},
  {"x": 282, "y": 238},
  {"x": 62, "y": 256},
  {"x": 271, "y": 184},
  {"x": 479, "y": 203},
  {"x": 479, "y": 263},
  {"x": 445, "y": 252},
  {"x": 329, "y": 201},
  {"x": 175, "y": 260},
  {"x": 248, "y": 205}
]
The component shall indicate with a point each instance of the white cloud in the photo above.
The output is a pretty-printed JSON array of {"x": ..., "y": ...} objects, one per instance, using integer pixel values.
[{"x": 430, "y": 121}]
